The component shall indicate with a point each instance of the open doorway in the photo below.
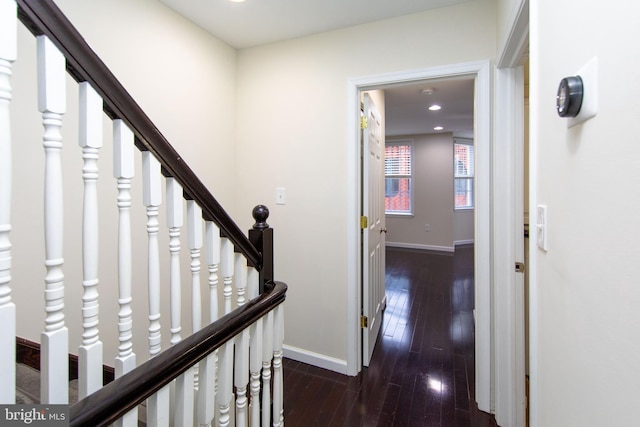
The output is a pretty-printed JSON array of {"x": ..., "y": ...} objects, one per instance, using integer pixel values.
[
  {"x": 428, "y": 325},
  {"x": 479, "y": 72},
  {"x": 433, "y": 120}
]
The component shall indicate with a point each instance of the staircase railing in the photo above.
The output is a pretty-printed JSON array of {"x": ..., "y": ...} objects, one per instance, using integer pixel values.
[
  {"x": 118, "y": 397},
  {"x": 199, "y": 379}
]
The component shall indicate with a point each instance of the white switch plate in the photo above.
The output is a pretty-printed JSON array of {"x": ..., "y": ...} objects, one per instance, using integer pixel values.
[
  {"x": 280, "y": 196},
  {"x": 541, "y": 227}
]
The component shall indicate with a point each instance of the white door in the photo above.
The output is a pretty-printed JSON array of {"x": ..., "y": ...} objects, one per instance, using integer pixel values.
[{"x": 373, "y": 228}]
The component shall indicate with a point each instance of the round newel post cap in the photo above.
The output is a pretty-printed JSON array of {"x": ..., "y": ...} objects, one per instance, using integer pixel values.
[{"x": 260, "y": 214}]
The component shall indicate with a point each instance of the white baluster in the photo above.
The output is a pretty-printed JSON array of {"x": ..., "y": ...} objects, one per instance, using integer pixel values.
[
  {"x": 241, "y": 279},
  {"x": 208, "y": 366},
  {"x": 241, "y": 364},
  {"x": 184, "y": 399},
  {"x": 213, "y": 261},
  {"x": 174, "y": 222},
  {"x": 255, "y": 353},
  {"x": 205, "y": 394},
  {"x": 226, "y": 269},
  {"x": 194, "y": 218},
  {"x": 158, "y": 404},
  {"x": 255, "y": 363},
  {"x": 278, "y": 336},
  {"x": 241, "y": 376},
  {"x": 253, "y": 283},
  {"x": 224, "y": 396},
  {"x": 123, "y": 168},
  {"x": 8, "y": 51},
  {"x": 55, "y": 338},
  {"x": 183, "y": 387},
  {"x": 267, "y": 354},
  {"x": 90, "y": 352},
  {"x": 194, "y": 225},
  {"x": 152, "y": 195}
]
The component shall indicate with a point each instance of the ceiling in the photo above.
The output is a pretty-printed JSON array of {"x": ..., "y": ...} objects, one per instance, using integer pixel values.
[
  {"x": 258, "y": 22},
  {"x": 407, "y": 107}
]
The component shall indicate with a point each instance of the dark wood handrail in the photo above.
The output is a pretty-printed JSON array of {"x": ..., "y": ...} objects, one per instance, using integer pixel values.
[
  {"x": 120, "y": 396},
  {"x": 44, "y": 17}
]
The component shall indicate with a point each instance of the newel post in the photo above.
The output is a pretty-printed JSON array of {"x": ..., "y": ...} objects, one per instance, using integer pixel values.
[{"x": 261, "y": 235}]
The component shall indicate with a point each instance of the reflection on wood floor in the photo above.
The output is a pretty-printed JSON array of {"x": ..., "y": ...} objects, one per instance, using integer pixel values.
[{"x": 422, "y": 370}]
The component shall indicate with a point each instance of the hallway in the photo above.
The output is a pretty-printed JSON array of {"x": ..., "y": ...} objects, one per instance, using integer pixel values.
[{"x": 422, "y": 370}]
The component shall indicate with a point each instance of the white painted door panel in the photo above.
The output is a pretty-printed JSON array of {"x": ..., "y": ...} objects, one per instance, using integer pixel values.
[{"x": 373, "y": 249}]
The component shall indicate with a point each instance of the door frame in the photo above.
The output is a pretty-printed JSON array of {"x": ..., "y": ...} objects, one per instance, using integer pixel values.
[
  {"x": 509, "y": 332},
  {"x": 481, "y": 71}
]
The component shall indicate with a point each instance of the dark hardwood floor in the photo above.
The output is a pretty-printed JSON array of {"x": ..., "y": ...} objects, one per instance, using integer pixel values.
[{"x": 422, "y": 370}]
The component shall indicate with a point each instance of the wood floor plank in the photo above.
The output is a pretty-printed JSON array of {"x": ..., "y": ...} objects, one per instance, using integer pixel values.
[
  {"x": 389, "y": 408},
  {"x": 422, "y": 372}
]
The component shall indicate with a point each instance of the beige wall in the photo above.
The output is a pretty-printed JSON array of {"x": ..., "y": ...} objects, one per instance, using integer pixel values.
[
  {"x": 506, "y": 11},
  {"x": 463, "y": 226},
  {"x": 433, "y": 196},
  {"x": 292, "y": 132},
  {"x": 148, "y": 48},
  {"x": 277, "y": 117},
  {"x": 586, "y": 284},
  {"x": 183, "y": 78}
]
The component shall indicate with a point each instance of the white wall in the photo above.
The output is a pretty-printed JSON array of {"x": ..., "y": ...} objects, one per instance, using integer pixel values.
[
  {"x": 506, "y": 11},
  {"x": 148, "y": 47},
  {"x": 292, "y": 132},
  {"x": 433, "y": 196},
  {"x": 586, "y": 284}
]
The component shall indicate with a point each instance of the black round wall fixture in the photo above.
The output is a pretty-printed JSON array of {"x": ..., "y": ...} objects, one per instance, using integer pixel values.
[{"x": 569, "y": 97}]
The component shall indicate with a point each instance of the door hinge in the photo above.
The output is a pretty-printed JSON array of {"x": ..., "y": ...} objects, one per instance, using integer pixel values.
[
  {"x": 364, "y": 322},
  {"x": 364, "y": 123},
  {"x": 364, "y": 222},
  {"x": 520, "y": 267}
]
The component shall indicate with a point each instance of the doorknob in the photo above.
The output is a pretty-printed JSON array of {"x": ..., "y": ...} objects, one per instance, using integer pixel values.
[{"x": 383, "y": 230}]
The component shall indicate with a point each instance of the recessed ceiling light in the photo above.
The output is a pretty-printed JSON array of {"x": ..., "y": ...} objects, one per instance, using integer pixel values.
[
  {"x": 438, "y": 128},
  {"x": 237, "y": 1},
  {"x": 435, "y": 107}
]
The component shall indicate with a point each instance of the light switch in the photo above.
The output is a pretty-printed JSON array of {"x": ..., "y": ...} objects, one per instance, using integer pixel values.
[
  {"x": 280, "y": 193},
  {"x": 541, "y": 227}
]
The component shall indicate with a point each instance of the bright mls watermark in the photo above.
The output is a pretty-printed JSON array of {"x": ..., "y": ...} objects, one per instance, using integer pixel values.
[{"x": 34, "y": 415}]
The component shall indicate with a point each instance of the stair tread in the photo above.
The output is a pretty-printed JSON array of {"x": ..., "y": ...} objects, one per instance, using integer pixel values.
[
  {"x": 28, "y": 390},
  {"x": 28, "y": 385}
]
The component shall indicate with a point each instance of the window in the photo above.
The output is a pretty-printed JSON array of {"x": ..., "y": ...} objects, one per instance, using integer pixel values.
[
  {"x": 398, "y": 192},
  {"x": 464, "y": 169}
]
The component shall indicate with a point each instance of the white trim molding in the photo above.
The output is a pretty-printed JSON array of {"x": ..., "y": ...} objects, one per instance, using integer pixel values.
[
  {"x": 508, "y": 237},
  {"x": 315, "y": 359},
  {"x": 448, "y": 249},
  {"x": 508, "y": 234},
  {"x": 463, "y": 242}
]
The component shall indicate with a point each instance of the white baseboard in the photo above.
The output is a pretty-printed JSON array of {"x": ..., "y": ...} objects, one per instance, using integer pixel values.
[
  {"x": 315, "y": 359},
  {"x": 464, "y": 242},
  {"x": 419, "y": 246}
]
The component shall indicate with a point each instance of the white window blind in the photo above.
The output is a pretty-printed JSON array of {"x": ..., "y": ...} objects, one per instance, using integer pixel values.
[
  {"x": 397, "y": 160},
  {"x": 398, "y": 177},
  {"x": 464, "y": 173}
]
